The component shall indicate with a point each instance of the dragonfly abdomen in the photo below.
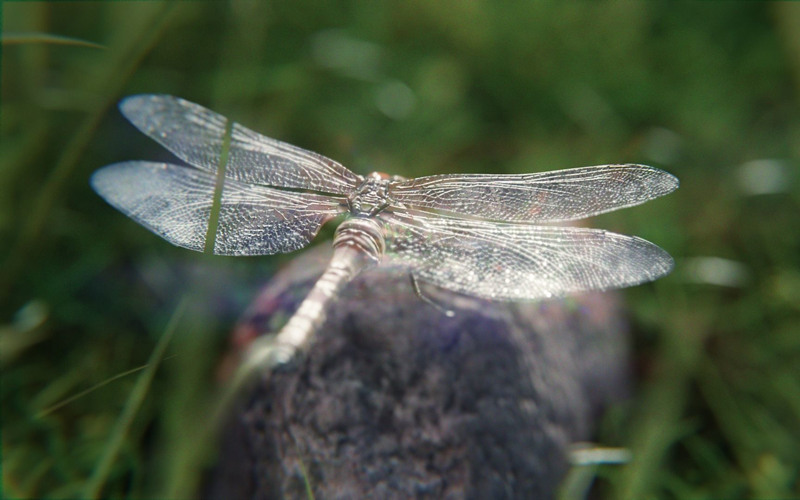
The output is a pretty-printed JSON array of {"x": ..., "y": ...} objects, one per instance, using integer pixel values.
[{"x": 358, "y": 244}]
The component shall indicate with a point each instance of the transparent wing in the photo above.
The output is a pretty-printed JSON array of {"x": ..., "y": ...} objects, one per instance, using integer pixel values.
[
  {"x": 548, "y": 196},
  {"x": 175, "y": 203},
  {"x": 518, "y": 262},
  {"x": 194, "y": 134}
]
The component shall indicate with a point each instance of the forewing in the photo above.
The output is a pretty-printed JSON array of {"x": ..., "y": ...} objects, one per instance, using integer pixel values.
[
  {"x": 519, "y": 262},
  {"x": 175, "y": 203},
  {"x": 542, "y": 197},
  {"x": 195, "y": 135}
]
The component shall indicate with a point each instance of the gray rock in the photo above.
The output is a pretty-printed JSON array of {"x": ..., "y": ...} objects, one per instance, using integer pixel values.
[{"x": 397, "y": 400}]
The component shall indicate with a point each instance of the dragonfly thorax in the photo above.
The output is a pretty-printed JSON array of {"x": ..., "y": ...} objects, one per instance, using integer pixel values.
[{"x": 371, "y": 196}]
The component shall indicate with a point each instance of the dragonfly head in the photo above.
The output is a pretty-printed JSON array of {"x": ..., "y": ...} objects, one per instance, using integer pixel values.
[{"x": 372, "y": 195}]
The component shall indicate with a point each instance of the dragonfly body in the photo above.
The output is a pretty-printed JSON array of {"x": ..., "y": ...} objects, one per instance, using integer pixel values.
[
  {"x": 358, "y": 244},
  {"x": 489, "y": 236}
]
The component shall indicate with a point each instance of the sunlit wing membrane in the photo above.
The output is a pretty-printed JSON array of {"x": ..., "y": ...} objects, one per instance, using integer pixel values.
[
  {"x": 195, "y": 135},
  {"x": 542, "y": 197},
  {"x": 175, "y": 203},
  {"x": 516, "y": 261}
]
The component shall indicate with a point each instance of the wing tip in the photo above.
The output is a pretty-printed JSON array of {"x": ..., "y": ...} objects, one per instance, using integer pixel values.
[
  {"x": 665, "y": 266},
  {"x": 128, "y": 104},
  {"x": 132, "y": 106},
  {"x": 96, "y": 179},
  {"x": 664, "y": 181},
  {"x": 103, "y": 178},
  {"x": 661, "y": 261}
]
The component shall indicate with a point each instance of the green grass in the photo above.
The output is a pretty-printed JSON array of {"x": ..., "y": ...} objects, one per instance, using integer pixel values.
[
  {"x": 409, "y": 88},
  {"x": 123, "y": 424}
]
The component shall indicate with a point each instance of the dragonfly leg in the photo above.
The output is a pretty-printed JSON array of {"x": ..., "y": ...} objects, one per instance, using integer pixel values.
[{"x": 418, "y": 292}]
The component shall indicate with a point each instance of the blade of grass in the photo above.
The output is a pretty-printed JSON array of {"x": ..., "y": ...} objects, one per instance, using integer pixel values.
[
  {"x": 749, "y": 432},
  {"x": 96, "y": 481},
  {"x": 306, "y": 478},
  {"x": 183, "y": 453},
  {"x": 25, "y": 38},
  {"x": 213, "y": 218},
  {"x": 577, "y": 483},
  {"x": 119, "y": 73},
  {"x": 62, "y": 403},
  {"x": 660, "y": 423}
]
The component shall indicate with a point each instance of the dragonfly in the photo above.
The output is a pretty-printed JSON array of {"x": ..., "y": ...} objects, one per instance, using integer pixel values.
[{"x": 496, "y": 237}]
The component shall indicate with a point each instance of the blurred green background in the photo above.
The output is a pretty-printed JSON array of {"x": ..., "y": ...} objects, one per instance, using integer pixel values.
[{"x": 706, "y": 91}]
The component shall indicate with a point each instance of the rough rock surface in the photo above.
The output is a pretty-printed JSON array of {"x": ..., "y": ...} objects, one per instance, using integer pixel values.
[{"x": 397, "y": 400}]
